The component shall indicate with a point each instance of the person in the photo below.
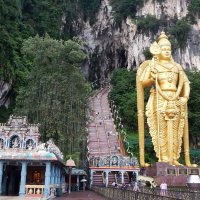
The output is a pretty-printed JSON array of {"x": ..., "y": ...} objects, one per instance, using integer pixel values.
[
  {"x": 166, "y": 109},
  {"x": 113, "y": 184},
  {"x": 1, "y": 143},
  {"x": 136, "y": 187},
  {"x": 163, "y": 189}
]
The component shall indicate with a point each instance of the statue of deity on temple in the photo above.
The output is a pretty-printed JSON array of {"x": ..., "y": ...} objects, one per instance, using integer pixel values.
[
  {"x": 166, "y": 109},
  {"x": 15, "y": 142}
]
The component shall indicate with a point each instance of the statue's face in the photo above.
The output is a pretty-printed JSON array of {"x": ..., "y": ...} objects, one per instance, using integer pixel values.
[{"x": 165, "y": 52}]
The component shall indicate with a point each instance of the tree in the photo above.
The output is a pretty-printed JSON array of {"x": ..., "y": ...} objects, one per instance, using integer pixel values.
[
  {"x": 55, "y": 92},
  {"x": 125, "y": 8},
  {"x": 124, "y": 95},
  {"x": 193, "y": 105},
  {"x": 180, "y": 32}
]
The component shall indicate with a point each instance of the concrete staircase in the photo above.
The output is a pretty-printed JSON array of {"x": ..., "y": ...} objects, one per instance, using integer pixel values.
[
  {"x": 97, "y": 179},
  {"x": 102, "y": 137}
]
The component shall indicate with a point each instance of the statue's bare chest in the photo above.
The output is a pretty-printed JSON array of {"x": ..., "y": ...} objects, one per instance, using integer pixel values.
[{"x": 168, "y": 72}]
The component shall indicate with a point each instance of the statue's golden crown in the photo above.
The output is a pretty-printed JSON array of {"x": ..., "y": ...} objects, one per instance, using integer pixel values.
[{"x": 163, "y": 40}]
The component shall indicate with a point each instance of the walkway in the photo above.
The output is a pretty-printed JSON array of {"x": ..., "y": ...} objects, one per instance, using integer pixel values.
[
  {"x": 20, "y": 198},
  {"x": 82, "y": 195}
]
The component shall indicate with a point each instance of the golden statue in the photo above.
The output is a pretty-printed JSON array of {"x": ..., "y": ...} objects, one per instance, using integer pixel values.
[{"x": 166, "y": 109}]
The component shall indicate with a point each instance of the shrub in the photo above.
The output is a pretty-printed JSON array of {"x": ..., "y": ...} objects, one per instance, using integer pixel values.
[
  {"x": 148, "y": 23},
  {"x": 194, "y": 7},
  {"x": 180, "y": 32},
  {"x": 124, "y": 8}
]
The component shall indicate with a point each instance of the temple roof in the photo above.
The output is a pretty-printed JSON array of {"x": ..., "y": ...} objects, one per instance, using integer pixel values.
[
  {"x": 76, "y": 171},
  {"x": 20, "y": 140},
  {"x": 10, "y": 154}
]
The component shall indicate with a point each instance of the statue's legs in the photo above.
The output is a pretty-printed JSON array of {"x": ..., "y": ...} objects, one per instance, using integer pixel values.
[
  {"x": 166, "y": 131},
  {"x": 162, "y": 139},
  {"x": 170, "y": 139},
  {"x": 178, "y": 127},
  {"x": 157, "y": 126}
]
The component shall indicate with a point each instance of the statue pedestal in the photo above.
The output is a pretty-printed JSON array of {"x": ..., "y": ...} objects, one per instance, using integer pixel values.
[{"x": 172, "y": 175}]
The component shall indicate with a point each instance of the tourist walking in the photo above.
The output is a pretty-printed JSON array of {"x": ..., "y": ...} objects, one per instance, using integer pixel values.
[
  {"x": 136, "y": 187},
  {"x": 163, "y": 189}
]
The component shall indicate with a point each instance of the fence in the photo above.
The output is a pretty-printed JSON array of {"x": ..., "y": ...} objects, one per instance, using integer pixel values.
[{"x": 145, "y": 194}]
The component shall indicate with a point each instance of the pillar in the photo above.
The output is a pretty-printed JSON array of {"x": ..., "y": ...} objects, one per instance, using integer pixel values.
[
  {"x": 1, "y": 175},
  {"x": 47, "y": 179},
  {"x": 136, "y": 172},
  {"x": 107, "y": 173},
  {"x": 91, "y": 177},
  {"x": 58, "y": 175},
  {"x": 7, "y": 143},
  {"x": 122, "y": 173},
  {"x": 77, "y": 182},
  {"x": 23, "y": 179},
  {"x": 63, "y": 178},
  {"x": 52, "y": 174}
]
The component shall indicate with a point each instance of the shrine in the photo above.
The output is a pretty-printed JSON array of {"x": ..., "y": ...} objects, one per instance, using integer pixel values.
[{"x": 27, "y": 166}]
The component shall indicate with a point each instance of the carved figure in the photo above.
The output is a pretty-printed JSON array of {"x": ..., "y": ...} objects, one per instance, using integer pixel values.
[
  {"x": 30, "y": 145},
  {"x": 15, "y": 143},
  {"x": 166, "y": 109}
]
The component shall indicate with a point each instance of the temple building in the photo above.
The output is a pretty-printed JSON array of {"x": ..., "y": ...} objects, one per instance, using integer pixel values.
[{"x": 27, "y": 166}]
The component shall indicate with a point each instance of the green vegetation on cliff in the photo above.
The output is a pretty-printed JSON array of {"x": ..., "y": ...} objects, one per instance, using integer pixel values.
[
  {"x": 194, "y": 7},
  {"x": 125, "y": 8},
  {"x": 148, "y": 24},
  {"x": 89, "y": 9},
  {"x": 180, "y": 33}
]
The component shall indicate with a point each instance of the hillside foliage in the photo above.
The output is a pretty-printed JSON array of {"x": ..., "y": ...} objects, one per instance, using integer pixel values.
[
  {"x": 194, "y": 7},
  {"x": 125, "y": 8}
]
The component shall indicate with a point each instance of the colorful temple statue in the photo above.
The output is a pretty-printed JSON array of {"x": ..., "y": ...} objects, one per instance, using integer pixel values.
[{"x": 166, "y": 109}]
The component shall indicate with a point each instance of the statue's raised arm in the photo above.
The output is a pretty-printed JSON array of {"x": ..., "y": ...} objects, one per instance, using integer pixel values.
[{"x": 166, "y": 109}]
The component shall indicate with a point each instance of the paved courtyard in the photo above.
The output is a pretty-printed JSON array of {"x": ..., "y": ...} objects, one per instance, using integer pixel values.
[
  {"x": 19, "y": 198},
  {"x": 82, "y": 195}
]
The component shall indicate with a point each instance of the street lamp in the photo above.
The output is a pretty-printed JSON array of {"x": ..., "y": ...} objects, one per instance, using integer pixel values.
[{"x": 70, "y": 163}]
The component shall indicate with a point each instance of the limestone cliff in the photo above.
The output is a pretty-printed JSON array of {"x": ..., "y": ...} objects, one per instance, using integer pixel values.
[{"x": 109, "y": 47}]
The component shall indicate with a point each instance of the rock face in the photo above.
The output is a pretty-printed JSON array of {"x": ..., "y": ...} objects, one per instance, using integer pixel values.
[
  {"x": 170, "y": 8},
  {"x": 109, "y": 47}
]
